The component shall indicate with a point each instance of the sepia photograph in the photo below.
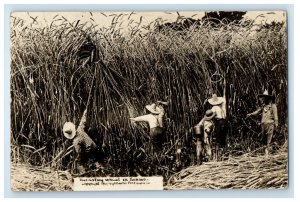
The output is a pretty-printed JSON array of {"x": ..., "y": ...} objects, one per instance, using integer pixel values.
[{"x": 107, "y": 101}]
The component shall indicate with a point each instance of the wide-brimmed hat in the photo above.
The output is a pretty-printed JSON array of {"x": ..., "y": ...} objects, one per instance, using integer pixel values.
[
  {"x": 209, "y": 114},
  {"x": 162, "y": 102},
  {"x": 69, "y": 130},
  {"x": 266, "y": 95},
  {"x": 215, "y": 100},
  {"x": 152, "y": 108}
]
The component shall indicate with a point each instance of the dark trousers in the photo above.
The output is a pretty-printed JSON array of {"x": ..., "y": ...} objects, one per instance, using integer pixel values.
[
  {"x": 157, "y": 137},
  {"x": 221, "y": 132},
  {"x": 87, "y": 158}
]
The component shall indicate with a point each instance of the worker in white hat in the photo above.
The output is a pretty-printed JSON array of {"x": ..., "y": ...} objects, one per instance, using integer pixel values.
[
  {"x": 269, "y": 118},
  {"x": 219, "y": 109},
  {"x": 155, "y": 121},
  {"x": 85, "y": 147}
]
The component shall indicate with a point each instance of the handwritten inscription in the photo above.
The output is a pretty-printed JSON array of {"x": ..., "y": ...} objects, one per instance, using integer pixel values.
[{"x": 117, "y": 183}]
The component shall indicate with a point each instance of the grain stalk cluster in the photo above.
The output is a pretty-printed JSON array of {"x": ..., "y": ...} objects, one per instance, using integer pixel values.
[{"x": 50, "y": 85}]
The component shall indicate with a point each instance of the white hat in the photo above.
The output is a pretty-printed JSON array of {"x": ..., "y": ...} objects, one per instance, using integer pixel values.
[
  {"x": 162, "y": 102},
  {"x": 152, "y": 108},
  {"x": 215, "y": 100},
  {"x": 69, "y": 130}
]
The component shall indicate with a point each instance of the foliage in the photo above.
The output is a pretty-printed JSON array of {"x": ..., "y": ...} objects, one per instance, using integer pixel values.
[
  {"x": 50, "y": 85},
  {"x": 224, "y": 16}
]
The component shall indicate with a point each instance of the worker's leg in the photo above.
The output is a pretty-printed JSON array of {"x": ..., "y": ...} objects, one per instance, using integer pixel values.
[
  {"x": 269, "y": 134},
  {"x": 198, "y": 150}
]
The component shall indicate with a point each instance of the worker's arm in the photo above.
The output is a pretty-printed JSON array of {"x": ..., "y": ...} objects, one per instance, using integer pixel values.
[
  {"x": 82, "y": 121},
  {"x": 213, "y": 109},
  {"x": 200, "y": 123},
  {"x": 141, "y": 118},
  {"x": 255, "y": 112},
  {"x": 204, "y": 119}
]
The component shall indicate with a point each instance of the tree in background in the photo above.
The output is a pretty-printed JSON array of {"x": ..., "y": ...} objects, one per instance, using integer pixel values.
[
  {"x": 223, "y": 16},
  {"x": 215, "y": 18}
]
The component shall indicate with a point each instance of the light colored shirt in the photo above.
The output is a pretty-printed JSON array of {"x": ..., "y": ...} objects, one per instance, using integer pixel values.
[
  {"x": 269, "y": 114},
  {"x": 153, "y": 120},
  {"x": 219, "y": 111}
]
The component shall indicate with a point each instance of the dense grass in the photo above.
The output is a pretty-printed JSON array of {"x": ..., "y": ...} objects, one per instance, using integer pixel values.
[{"x": 50, "y": 85}]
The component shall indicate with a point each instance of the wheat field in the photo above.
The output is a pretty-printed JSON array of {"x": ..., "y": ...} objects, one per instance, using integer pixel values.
[{"x": 51, "y": 84}]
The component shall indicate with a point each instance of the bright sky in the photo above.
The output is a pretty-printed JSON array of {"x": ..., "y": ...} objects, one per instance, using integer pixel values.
[{"x": 104, "y": 19}]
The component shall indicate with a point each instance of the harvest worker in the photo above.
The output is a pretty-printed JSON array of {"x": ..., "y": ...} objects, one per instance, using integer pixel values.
[
  {"x": 155, "y": 121},
  {"x": 86, "y": 149},
  {"x": 202, "y": 131},
  {"x": 219, "y": 109},
  {"x": 269, "y": 118}
]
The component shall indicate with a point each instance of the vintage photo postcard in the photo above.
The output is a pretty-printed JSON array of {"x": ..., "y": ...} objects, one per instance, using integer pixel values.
[{"x": 148, "y": 100}]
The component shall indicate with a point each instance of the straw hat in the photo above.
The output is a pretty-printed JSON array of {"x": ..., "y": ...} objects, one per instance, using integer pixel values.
[
  {"x": 69, "y": 130},
  {"x": 161, "y": 102},
  {"x": 209, "y": 114},
  {"x": 152, "y": 108},
  {"x": 266, "y": 95},
  {"x": 215, "y": 100}
]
